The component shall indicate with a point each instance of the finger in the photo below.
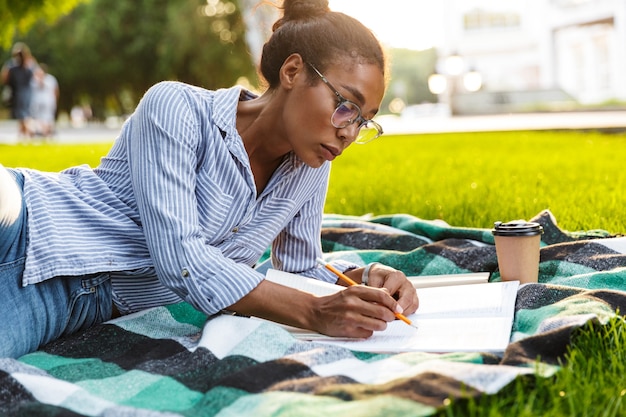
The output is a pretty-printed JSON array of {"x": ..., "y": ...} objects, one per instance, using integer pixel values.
[
  {"x": 408, "y": 299},
  {"x": 380, "y": 276},
  {"x": 350, "y": 316},
  {"x": 397, "y": 284},
  {"x": 363, "y": 325},
  {"x": 377, "y": 302}
]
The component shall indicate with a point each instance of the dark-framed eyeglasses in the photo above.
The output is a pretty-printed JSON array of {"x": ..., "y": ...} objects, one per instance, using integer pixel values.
[{"x": 348, "y": 112}]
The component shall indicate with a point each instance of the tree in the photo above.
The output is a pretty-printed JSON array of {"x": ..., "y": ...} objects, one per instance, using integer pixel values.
[
  {"x": 409, "y": 76},
  {"x": 18, "y": 16},
  {"x": 108, "y": 53}
]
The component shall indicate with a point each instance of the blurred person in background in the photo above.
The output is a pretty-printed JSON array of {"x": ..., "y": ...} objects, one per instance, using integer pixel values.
[
  {"x": 17, "y": 74},
  {"x": 45, "y": 94}
]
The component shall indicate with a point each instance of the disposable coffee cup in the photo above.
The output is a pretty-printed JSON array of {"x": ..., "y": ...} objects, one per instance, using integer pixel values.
[{"x": 517, "y": 248}]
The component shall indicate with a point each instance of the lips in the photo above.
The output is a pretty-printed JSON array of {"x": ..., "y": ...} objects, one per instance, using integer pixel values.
[{"x": 334, "y": 152}]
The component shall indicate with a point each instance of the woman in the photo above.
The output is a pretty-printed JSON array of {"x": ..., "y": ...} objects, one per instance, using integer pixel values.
[
  {"x": 17, "y": 74},
  {"x": 197, "y": 186}
]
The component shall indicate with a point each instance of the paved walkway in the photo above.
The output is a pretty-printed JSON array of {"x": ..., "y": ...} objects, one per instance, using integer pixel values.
[
  {"x": 599, "y": 120},
  {"x": 91, "y": 133}
]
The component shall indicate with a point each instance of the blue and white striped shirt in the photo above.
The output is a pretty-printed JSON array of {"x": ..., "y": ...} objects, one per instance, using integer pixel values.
[{"x": 172, "y": 210}]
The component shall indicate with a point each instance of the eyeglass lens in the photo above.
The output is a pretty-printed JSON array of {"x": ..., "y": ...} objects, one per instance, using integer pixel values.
[
  {"x": 347, "y": 113},
  {"x": 367, "y": 133}
]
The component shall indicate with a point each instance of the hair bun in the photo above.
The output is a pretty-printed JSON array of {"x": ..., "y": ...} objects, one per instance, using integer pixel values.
[
  {"x": 303, "y": 9},
  {"x": 310, "y": 29}
]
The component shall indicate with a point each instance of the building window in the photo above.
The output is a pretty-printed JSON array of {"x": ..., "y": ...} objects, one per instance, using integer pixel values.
[{"x": 479, "y": 19}]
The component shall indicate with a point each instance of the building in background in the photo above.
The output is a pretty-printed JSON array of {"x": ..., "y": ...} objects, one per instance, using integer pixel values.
[{"x": 534, "y": 55}]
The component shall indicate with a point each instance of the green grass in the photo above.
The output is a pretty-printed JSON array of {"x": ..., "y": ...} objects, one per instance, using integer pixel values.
[
  {"x": 466, "y": 179},
  {"x": 591, "y": 382},
  {"x": 52, "y": 157},
  {"x": 473, "y": 180}
]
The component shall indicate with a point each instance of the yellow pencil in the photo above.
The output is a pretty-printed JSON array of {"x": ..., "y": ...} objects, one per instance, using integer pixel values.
[{"x": 351, "y": 282}]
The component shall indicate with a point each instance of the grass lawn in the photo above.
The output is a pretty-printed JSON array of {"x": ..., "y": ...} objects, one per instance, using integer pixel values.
[
  {"x": 474, "y": 179},
  {"x": 466, "y": 179}
]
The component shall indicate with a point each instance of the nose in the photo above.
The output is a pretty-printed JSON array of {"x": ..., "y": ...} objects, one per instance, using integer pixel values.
[{"x": 349, "y": 133}]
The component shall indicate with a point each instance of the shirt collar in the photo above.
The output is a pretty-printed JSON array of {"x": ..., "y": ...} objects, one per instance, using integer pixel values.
[{"x": 225, "y": 117}]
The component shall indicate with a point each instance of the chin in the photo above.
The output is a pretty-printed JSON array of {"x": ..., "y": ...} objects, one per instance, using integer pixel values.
[
  {"x": 312, "y": 160},
  {"x": 314, "y": 164}
]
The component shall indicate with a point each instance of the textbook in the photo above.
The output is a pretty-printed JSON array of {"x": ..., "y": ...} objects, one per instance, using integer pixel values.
[{"x": 450, "y": 318}]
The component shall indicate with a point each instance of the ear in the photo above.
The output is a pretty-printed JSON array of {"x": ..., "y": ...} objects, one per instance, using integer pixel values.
[{"x": 292, "y": 68}]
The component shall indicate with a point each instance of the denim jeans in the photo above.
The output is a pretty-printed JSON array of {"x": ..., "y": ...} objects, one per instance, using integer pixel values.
[{"x": 37, "y": 314}]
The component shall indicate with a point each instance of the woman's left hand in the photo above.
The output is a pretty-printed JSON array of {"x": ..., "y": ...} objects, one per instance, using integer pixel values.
[{"x": 394, "y": 281}]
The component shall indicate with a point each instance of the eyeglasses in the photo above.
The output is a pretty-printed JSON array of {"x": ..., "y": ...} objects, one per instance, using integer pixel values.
[{"x": 348, "y": 112}]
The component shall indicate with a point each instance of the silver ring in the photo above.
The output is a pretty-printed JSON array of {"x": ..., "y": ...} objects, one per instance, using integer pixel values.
[{"x": 366, "y": 273}]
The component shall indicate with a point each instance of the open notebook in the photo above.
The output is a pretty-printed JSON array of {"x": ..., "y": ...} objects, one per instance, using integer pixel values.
[{"x": 452, "y": 318}]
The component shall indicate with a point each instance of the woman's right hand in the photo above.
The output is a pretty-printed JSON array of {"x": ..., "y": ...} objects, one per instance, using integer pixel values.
[{"x": 356, "y": 312}]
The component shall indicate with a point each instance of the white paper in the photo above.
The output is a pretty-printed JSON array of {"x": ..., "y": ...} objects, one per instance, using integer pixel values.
[
  {"x": 299, "y": 282},
  {"x": 425, "y": 281},
  {"x": 473, "y": 317}
]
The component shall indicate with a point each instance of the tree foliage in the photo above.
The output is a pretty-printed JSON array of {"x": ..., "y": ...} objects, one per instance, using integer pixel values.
[
  {"x": 108, "y": 53},
  {"x": 18, "y": 16},
  {"x": 409, "y": 76}
]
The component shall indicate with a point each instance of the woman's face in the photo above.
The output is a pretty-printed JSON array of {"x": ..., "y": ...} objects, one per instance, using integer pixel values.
[{"x": 313, "y": 137}]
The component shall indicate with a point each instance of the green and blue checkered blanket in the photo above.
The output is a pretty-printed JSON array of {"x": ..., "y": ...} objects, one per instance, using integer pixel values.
[{"x": 173, "y": 361}]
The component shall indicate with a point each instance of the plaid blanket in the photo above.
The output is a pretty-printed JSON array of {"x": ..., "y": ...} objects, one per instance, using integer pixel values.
[{"x": 174, "y": 361}]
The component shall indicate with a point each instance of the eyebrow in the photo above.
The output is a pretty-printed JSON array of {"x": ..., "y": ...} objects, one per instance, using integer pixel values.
[{"x": 358, "y": 95}]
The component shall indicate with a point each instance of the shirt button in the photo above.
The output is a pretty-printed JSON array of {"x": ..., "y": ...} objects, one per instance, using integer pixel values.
[
  {"x": 184, "y": 273},
  {"x": 235, "y": 229}
]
